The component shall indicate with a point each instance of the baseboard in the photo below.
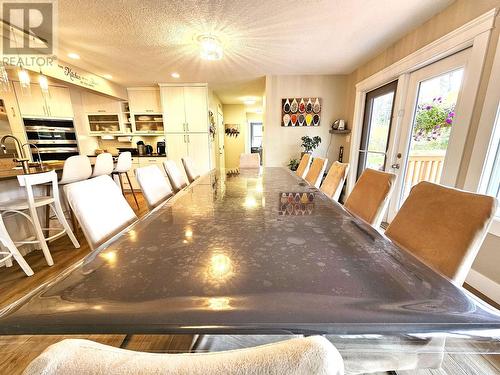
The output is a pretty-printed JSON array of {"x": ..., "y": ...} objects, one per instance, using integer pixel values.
[{"x": 485, "y": 285}]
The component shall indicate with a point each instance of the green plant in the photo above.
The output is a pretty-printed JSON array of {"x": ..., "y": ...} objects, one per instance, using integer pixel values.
[
  {"x": 309, "y": 144},
  {"x": 293, "y": 164},
  {"x": 432, "y": 119}
]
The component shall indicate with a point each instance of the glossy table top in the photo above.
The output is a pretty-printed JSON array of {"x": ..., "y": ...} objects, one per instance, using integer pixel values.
[{"x": 226, "y": 256}]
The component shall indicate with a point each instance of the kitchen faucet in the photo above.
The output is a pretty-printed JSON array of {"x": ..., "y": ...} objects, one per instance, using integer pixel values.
[
  {"x": 21, "y": 158},
  {"x": 29, "y": 144}
]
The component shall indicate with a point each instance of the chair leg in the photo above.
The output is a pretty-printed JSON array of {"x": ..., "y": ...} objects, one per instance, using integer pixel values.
[
  {"x": 131, "y": 188},
  {"x": 60, "y": 216},
  {"x": 40, "y": 237},
  {"x": 74, "y": 224},
  {"x": 47, "y": 212},
  {"x": 19, "y": 259},
  {"x": 121, "y": 183}
]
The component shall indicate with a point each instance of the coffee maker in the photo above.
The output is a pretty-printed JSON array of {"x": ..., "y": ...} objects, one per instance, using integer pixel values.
[{"x": 160, "y": 148}]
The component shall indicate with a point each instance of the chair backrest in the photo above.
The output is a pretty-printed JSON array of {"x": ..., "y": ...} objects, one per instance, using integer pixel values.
[
  {"x": 103, "y": 164},
  {"x": 334, "y": 181},
  {"x": 76, "y": 168},
  {"x": 154, "y": 185},
  {"x": 191, "y": 172},
  {"x": 304, "y": 165},
  {"x": 177, "y": 180},
  {"x": 444, "y": 227},
  {"x": 310, "y": 355},
  {"x": 100, "y": 208},
  {"x": 370, "y": 196},
  {"x": 316, "y": 171},
  {"x": 124, "y": 162},
  {"x": 250, "y": 160},
  {"x": 30, "y": 180}
]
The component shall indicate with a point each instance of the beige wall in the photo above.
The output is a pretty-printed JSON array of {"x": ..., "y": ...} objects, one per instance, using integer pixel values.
[
  {"x": 449, "y": 19},
  {"x": 283, "y": 143},
  {"x": 213, "y": 104},
  {"x": 235, "y": 146}
]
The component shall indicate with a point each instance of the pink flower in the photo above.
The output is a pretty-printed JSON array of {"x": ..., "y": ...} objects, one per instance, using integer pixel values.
[{"x": 449, "y": 121}]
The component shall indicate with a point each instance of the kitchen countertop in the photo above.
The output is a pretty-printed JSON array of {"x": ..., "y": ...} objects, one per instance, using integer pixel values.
[
  {"x": 136, "y": 156},
  {"x": 9, "y": 174}
]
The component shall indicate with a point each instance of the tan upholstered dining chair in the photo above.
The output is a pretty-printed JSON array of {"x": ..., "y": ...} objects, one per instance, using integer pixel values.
[
  {"x": 304, "y": 165},
  {"x": 370, "y": 196},
  {"x": 315, "y": 173},
  {"x": 334, "y": 181},
  {"x": 311, "y": 355},
  {"x": 444, "y": 227}
]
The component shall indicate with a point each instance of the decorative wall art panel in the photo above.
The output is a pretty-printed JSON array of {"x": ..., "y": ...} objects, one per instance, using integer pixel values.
[{"x": 300, "y": 111}]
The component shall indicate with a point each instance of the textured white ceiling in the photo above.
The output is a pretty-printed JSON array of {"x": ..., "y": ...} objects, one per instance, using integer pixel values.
[{"x": 143, "y": 42}]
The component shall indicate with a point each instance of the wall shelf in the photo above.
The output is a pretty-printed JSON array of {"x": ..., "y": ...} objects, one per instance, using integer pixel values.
[{"x": 334, "y": 131}]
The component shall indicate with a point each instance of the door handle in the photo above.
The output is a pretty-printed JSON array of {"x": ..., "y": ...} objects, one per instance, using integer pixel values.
[{"x": 395, "y": 166}]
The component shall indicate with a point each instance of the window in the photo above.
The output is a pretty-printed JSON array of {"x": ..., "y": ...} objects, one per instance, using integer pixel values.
[
  {"x": 256, "y": 134},
  {"x": 490, "y": 181}
]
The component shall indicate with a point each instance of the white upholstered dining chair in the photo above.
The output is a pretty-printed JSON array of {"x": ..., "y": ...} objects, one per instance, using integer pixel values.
[
  {"x": 103, "y": 165},
  {"x": 191, "y": 172},
  {"x": 100, "y": 208},
  {"x": 316, "y": 171},
  {"x": 304, "y": 356},
  {"x": 154, "y": 186},
  {"x": 249, "y": 161},
  {"x": 177, "y": 180}
]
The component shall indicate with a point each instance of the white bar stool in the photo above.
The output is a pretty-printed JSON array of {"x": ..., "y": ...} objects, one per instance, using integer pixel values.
[
  {"x": 103, "y": 165},
  {"x": 12, "y": 252},
  {"x": 123, "y": 165},
  {"x": 32, "y": 203}
]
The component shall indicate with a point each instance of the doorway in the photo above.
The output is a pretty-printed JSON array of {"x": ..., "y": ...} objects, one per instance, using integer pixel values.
[
  {"x": 256, "y": 133},
  {"x": 428, "y": 148}
]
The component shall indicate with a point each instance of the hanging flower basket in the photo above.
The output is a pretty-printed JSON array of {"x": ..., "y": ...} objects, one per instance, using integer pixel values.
[{"x": 432, "y": 119}]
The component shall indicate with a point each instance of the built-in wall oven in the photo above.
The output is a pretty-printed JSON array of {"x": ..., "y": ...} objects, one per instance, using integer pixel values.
[{"x": 54, "y": 139}]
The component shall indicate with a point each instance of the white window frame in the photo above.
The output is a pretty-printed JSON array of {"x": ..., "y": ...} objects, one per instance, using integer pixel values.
[{"x": 482, "y": 157}]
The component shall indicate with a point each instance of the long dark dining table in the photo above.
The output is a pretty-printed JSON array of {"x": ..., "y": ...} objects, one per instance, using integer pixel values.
[{"x": 254, "y": 252}]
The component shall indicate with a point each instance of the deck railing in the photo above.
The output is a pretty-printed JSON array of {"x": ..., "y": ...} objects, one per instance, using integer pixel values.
[{"x": 423, "y": 168}]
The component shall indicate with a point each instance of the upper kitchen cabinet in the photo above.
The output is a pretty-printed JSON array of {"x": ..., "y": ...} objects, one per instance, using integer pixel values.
[
  {"x": 143, "y": 100},
  {"x": 186, "y": 108},
  {"x": 56, "y": 103},
  {"x": 93, "y": 103}
]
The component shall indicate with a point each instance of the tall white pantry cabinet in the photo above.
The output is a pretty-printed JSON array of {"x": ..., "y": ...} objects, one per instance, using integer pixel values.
[{"x": 185, "y": 107}]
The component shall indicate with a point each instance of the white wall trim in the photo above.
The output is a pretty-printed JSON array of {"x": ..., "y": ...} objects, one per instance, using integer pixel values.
[
  {"x": 485, "y": 285},
  {"x": 468, "y": 35}
]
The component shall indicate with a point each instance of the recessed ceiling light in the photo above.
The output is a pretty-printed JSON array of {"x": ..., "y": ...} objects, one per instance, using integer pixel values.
[
  {"x": 210, "y": 47},
  {"x": 175, "y": 75},
  {"x": 107, "y": 76},
  {"x": 74, "y": 56},
  {"x": 249, "y": 101}
]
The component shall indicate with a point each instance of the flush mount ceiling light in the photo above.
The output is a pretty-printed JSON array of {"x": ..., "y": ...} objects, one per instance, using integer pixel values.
[
  {"x": 74, "y": 56},
  {"x": 210, "y": 47},
  {"x": 175, "y": 75},
  {"x": 249, "y": 101},
  {"x": 107, "y": 76}
]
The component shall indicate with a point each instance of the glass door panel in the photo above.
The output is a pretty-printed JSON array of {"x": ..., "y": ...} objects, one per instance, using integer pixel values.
[
  {"x": 376, "y": 128},
  {"x": 433, "y": 120}
]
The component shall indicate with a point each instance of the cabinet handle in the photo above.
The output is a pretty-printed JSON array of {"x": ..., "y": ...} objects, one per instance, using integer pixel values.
[
  {"x": 101, "y": 110},
  {"x": 13, "y": 111},
  {"x": 149, "y": 110},
  {"x": 188, "y": 139},
  {"x": 187, "y": 126},
  {"x": 44, "y": 110},
  {"x": 50, "y": 112},
  {"x": 184, "y": 138}
]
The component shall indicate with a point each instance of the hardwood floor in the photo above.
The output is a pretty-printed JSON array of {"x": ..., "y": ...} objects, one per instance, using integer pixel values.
[{"x": 19, "y": 351}]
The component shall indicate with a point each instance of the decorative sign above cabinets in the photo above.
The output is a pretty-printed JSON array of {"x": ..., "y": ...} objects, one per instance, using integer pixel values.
[{"x": 300, "y": 111}]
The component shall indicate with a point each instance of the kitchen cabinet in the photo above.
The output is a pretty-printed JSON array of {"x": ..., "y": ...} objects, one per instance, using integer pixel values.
[
  {"x": 93, "y": 103},
  {"x": 55, "y": 104},
  {"x": 194, "y": 145},
  {"x": 186, "y": 108},
  {"x": 100, "y": 123},
  {"x": 148, "y": 124},
  {"x": 144, "y": 100}
]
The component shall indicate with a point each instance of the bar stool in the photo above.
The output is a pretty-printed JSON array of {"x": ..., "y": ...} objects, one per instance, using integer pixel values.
[
  {"x": 32, "y": 203},
  {"x": 123, "y": 165},
  {"x": 76, "y": 168},
  {"x": 103, "y": 165},
  {"x": 12, "y": 252}
]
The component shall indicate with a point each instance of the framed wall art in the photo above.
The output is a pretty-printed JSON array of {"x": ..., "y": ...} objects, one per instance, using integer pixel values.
[{"x": 300, "y": 112}]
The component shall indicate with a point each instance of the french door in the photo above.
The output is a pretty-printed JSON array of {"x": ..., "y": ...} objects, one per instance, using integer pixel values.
[{"x": 430, "y": 140}]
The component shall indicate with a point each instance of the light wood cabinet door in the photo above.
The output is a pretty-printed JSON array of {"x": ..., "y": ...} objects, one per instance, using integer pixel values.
[
  {"x": 144, "y": 100},
  {"x": 59, "y": 102},
  {"x": 32, "y": 104},
  {"x": 177, "y": 148},
  {"x": 196, "y": 108},
  {"x": 173, "y": 106},
  {"x": 93, "y": 103},
  {"x": 198, "y": 150}
]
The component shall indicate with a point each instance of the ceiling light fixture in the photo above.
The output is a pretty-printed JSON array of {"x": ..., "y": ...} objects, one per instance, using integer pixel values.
[
  {"x": 24, "y": 78},
  {"x": 210, "y": 48},
  {"x": 175, "y": 75},
  {"x": 74, "y": 56},
  {"x": 107, "y": 76},
  {"x": 44, "y": 83},
  {"x": 249, "y": 101}
]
